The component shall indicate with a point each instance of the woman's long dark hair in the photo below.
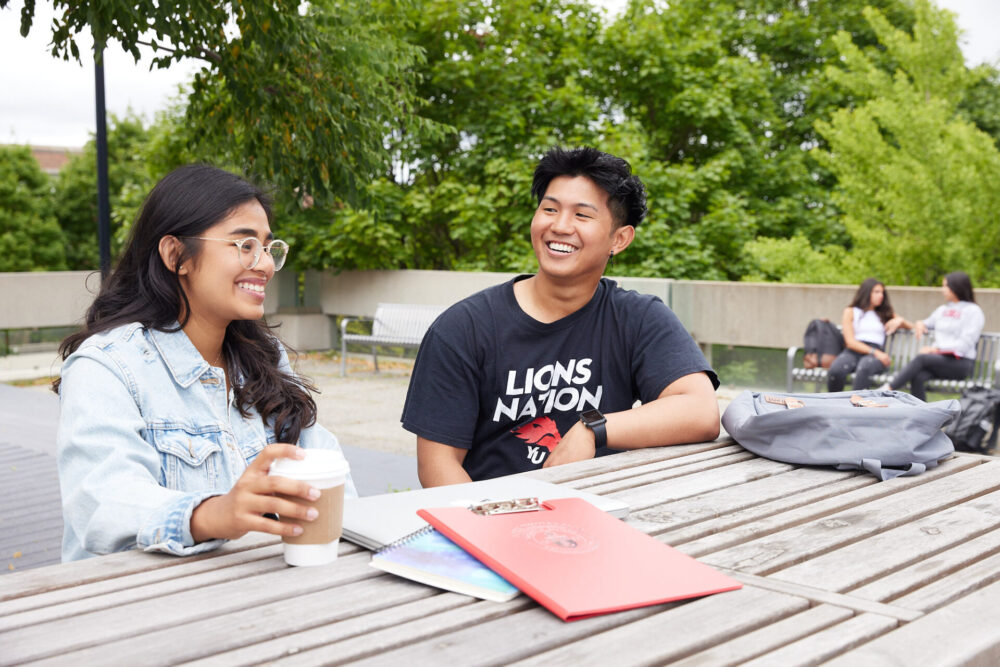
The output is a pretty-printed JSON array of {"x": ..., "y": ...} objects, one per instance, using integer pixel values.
[
  {"x": 863, "y": 299},
  {"x": 960, "y": 285},
  {"x": 185, "y": 203}
]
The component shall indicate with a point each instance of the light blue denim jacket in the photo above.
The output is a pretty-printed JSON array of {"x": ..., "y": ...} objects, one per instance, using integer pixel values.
[{"x": 146, "y": 433}]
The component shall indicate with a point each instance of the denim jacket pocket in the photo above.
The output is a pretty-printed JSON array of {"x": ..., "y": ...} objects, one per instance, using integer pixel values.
[{"x": 190, "y": 457}]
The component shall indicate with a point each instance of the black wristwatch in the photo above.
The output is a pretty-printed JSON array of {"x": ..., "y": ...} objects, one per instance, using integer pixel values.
[{"x": 595, "y": 421}]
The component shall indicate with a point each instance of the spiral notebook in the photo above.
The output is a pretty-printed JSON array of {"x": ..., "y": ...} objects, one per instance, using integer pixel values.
[{"x": 430, "y": 558}]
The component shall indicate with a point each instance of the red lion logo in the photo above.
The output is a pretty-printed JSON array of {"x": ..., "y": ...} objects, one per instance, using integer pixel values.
[{"x": 542, "y": 431}]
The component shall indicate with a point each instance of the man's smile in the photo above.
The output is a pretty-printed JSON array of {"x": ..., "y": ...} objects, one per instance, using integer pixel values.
[{"x": 560, "y": 247}]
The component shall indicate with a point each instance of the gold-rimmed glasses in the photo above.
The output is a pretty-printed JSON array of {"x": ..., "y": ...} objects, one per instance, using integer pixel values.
[{"x": 250, "y": 250}]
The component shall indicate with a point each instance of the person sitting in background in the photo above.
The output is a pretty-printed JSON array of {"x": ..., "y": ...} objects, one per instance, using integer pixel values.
[
  {"x": 865, "y": 325},
  {"x": 174, "y": 388},
  {"x": 957, "y": 325}
]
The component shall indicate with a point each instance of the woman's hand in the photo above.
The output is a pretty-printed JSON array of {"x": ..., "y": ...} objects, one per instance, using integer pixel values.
[
  {"x": 919, "y": 328},
  {"x": 894, "y": 324},
  {"x": 927, "y": 349},
  {"x": 882, "y": 357},
  {"x": 240, "y": 511}
]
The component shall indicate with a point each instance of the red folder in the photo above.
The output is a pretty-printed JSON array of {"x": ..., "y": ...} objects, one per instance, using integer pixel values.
[{"x": 576, "y": 560}]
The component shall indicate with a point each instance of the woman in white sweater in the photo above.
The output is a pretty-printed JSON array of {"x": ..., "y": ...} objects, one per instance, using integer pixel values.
[{"x": 957, "y": 325}]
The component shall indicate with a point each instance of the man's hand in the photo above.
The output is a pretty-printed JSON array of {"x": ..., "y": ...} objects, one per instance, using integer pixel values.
[
  {"x": 240, "y": 511},
  {"x": 576, "y": 445}
]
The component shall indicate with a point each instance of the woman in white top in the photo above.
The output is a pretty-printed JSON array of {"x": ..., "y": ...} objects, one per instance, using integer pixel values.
[
  {"x": 957, "y": 326},
  {"x": 865, "y": 324}
]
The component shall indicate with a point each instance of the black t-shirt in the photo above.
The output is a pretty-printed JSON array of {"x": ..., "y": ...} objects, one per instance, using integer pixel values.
[{"x": 491, "y": 379}]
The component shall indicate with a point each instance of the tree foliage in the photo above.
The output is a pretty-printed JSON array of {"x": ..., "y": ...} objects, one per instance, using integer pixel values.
[
  {"x": 129, "y": 178},
  {"x": 30, "y": 238},
  {"x": 915, "y": 178},
  {"x": 816, "y": 140},
  {"x": 297, "y": 95}
]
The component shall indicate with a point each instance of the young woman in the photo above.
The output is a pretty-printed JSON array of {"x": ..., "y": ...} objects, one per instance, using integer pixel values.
[
  {"x": 865, "y": 324},
  {"x": 957, "y": 325},
  {"x": 175, "y": 397}
]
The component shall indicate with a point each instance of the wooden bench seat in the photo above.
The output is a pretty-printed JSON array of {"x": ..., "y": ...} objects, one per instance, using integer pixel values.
[
  {"x": 394, "y": 324},
  {"x": 903, "y": 346}
]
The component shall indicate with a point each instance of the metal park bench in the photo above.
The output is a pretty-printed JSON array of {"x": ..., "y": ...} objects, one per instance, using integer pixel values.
[
  {"x": 902, "y": 346},
  {"x": 394, "y": 324}
]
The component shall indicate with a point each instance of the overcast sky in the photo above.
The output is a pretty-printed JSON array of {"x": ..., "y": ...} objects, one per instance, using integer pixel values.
[{"x": 49, "y": 102}]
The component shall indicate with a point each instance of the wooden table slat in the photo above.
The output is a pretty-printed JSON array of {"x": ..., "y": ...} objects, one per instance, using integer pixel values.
[
  {"x": 675, "y": 472},
  {"x": 662, "y": 469},
  {"x": 965, "y": 632},
  {"x": 637, "y": 641},
  {"x": 657, "y": 493},
  {"x": 270, "y": 561},
  {"x": 492, "y": 639},
  {"x": 107, "y": 625},
  {"x": 947, "y": 589},
  {"x": 184, "y": 568},
  {"x": 582, "y": 470},
  {"x": 80, "y": 572},
  {"x": 827, "y": 643},
  {"x": 779, "y": 493},
  {"x": 253, "y": 623},
  {"x": 894, "y": 549},
  {"x": 931, "y": 569},
  {"x": 744, "y": 525},
  {"x": 793, "y": 545},
  {"x": 372, "y": 629},
  {"x": 753, "y": 644}
]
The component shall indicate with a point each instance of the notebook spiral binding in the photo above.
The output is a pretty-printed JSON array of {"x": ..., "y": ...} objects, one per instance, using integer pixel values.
[{"x": 406, "y": 538}]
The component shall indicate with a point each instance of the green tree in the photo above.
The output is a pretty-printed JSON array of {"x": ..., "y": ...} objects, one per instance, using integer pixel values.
[
  {"x": 299, "y": 95},
  {"x": 30, "y": 238},
  {"x": 508, "y": 76},
  {"x": 75, "y": 201},
  {"x": 726, "y": 94},
  {"x": 915, "y": 179}
]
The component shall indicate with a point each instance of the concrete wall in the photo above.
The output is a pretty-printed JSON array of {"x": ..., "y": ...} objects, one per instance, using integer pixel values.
[{"x": 728, "y": 313}]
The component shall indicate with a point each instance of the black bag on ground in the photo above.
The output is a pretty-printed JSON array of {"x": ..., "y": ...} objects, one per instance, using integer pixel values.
[
  {"x": 822, "y": 342},
  {"x": 975, "y": 428}
]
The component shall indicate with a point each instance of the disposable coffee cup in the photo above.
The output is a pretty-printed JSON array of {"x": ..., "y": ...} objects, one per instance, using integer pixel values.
[{"x": 326, "y": 470}]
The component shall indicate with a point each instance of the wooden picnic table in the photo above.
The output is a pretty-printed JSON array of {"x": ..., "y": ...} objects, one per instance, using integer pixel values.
[{"x": 835, "y": 565}]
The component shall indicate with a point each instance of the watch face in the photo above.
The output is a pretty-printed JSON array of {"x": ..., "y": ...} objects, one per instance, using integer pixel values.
[{"x": 592, "y": 416}]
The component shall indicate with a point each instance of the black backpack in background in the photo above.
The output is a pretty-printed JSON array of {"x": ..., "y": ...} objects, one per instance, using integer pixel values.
[
  {"x": 974, "y": 430},
  {"x": 822, "y": 343}
]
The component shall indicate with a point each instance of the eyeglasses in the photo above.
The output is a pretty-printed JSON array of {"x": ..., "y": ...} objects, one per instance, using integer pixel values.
[{"x": 250, "y": 250}]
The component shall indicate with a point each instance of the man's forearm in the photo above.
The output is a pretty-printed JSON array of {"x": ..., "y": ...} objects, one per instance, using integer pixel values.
[
  {"x": 440, "y": 465},
  {"x": 686, "y": 411}
]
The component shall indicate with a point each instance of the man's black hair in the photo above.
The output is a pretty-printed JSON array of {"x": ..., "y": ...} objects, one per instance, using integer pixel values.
[{"x": 626, "y": 193}]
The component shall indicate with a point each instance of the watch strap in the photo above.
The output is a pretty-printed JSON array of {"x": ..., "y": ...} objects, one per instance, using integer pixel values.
[{"x": 600, "y": 434}]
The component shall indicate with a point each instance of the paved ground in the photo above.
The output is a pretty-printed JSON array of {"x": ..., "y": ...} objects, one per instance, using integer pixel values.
[{"x": 362, "y": 409}]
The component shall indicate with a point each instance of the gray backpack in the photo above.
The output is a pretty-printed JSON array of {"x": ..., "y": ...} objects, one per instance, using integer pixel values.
[{"x": 887, "y": 433}]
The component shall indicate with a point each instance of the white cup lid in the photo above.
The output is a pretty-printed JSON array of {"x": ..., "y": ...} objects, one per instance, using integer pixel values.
[{"x": 318, "y": 464}]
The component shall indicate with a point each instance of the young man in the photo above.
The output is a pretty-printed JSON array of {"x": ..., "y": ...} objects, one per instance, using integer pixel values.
[{"x": 544, "y": 369}]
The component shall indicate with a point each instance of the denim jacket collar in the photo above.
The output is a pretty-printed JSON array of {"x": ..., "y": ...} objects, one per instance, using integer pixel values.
[{"x": 180, "y": 355}]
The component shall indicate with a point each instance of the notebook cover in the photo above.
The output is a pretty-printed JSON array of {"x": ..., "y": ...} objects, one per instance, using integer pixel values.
[
  {"x": 578, "y": 561},
  {"x": 431, "y": 558},
  {"x": 375, "y": 521}
]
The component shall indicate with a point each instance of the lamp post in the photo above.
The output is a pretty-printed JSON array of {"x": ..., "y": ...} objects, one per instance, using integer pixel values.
[{"x": 103, "y": 201}]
